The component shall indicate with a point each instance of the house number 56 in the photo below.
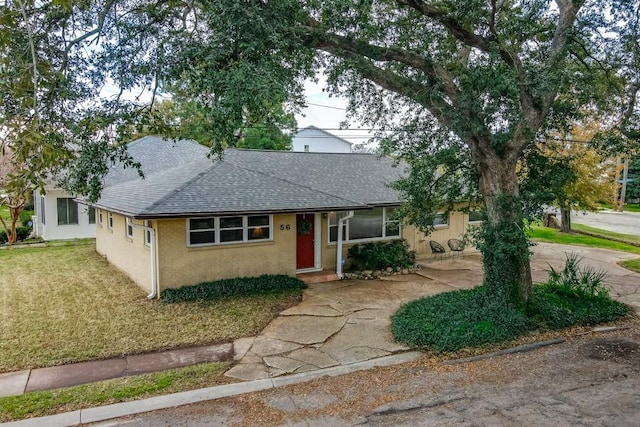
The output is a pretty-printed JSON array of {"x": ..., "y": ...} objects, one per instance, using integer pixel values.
[{"x": 285, "y": 227}]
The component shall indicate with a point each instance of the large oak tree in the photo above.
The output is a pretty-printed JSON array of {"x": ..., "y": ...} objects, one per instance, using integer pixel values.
[{"x": 471, "y": 84}]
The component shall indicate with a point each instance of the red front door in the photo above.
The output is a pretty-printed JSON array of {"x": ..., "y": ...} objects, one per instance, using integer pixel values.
[{"x": 305, "y": 242}]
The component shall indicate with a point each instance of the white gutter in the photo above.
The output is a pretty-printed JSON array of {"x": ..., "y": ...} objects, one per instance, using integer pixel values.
[
  {"x": 339, "y": 245},
  {"x": 154, "y": 258}
]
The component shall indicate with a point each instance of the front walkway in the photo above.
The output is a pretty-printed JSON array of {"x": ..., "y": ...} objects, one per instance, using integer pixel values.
[{"x": 343, "y": 322}]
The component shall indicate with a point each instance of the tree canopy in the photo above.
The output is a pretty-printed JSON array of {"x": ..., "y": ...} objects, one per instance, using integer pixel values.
[{"x": 467, "y": 83}]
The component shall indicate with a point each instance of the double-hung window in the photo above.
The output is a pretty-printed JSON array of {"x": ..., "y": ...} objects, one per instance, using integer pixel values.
[
  {"x": 372, "y": 224},
  {"x": 110, "y": 221},
  {"x": 476, "y": 217},
  {"x": 230, "y": 229},
  {"x": 67, "y": 211},
  {"x": 91, "y": 211}
]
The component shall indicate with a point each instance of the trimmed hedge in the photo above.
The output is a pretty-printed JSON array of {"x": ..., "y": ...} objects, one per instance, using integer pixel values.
[
  {"x": 380, "y": 255},
  {"x": 233, "y": 287},
  {"x": 23, "y": 233}
]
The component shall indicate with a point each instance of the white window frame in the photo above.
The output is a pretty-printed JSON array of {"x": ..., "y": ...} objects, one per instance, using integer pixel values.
[
  {"x": 128, "y": 227},
  {"x": 147, "y": 233},
  {"x": 70, "y": 204},
  {"x": 43, "y": 204},
  {"x": 216, "y": 230},
  {"x": 95, "y": 214},
  {"x": 110, "y": 220},
  {"x": 447, "y": 216},
  {"x": 476, "y": 222},
  {"x": 100, "y": 219},
  {"x": 385, "y": 221}
]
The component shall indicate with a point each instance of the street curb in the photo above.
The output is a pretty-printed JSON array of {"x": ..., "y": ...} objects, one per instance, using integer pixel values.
[
  {"x": 105, "y": 413},
  {"x": 519, "y": 349}
]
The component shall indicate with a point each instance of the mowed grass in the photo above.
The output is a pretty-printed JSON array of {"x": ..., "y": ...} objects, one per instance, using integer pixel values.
[
  {"x": 552, "y": 235},
  {"x": 606, "y": 233},
  {"x": 49, "y": 402},
  {"x": 632, "y": 264},
  {"x": 628, "y": 207},
  {"x": 66, "y": 304}
]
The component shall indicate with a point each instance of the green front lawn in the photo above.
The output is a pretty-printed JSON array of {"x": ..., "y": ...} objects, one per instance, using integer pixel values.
[
  {"x": 606, "y": 233},
  {"x": 632, "y": 264},
  {"x": 552, "y": 235},
  {"x": 49, "y": 402},
  {"x": 66, "y": 303},
  {"x": 627, "y": 207}
]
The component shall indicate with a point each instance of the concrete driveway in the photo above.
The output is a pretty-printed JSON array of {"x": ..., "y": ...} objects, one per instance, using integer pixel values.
[{"x": 339, "y": 323}]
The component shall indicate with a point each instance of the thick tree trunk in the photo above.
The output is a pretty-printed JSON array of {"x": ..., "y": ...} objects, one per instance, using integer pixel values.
[
  {"x": 565, "y": 218},
  {"x": 505, "y": 245}
]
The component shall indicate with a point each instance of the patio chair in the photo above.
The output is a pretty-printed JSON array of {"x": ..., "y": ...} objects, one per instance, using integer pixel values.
[
  {"x": 437, "y": 249},
  {"x": 456, "y": 246}
]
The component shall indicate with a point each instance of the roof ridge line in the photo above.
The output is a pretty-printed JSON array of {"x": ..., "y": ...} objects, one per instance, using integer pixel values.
[
  {"x": 297, "y": 184},
  {"x": 171, "y": 193}
]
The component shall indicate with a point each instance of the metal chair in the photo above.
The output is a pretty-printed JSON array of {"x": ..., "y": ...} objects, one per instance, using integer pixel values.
[
  {"x": 456, "y": 245},
  {"x": 437, "y": 248}
]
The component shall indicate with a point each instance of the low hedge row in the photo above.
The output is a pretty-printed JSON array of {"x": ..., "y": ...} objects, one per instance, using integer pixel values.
[
  {"x": 380, "y": 255},
  {"x": 233, "y": 287}
]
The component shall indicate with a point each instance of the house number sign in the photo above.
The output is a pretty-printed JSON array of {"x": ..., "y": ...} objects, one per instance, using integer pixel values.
[{"x": 285, "y": 226}]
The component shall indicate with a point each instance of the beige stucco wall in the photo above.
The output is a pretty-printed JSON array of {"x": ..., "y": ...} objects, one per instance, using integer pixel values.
[
  {"x": 181, "y": 265},
  {"x": 419, "y": 242},
  {"x": 128, "y": 254}
]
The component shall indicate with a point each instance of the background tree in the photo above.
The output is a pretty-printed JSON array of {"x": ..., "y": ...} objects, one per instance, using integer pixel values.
[{"x": 633, "y": 186}]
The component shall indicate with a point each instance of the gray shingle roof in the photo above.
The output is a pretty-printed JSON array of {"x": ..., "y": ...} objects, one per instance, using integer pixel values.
[{"x": 181, "y": 181}]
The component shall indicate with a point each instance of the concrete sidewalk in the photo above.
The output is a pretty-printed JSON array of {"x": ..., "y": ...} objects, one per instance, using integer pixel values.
[{"x": 16, "y": 383}]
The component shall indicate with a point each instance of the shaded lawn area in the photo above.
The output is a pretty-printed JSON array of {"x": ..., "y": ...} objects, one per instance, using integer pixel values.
[
  {"x": 553, "y": 235},
  {"x": 64, "y": 304}
]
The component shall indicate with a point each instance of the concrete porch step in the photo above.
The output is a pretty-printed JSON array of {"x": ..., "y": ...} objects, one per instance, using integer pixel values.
[{"x": 318, "y": 276}]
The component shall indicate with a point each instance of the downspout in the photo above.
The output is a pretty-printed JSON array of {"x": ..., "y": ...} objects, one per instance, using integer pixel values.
[
  {"x": 154, "y": 262},
  {"x": 339, "y": 245}
]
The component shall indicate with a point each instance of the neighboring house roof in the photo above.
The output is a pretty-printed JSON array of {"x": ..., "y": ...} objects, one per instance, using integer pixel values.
[{"x": 247, "y": 181}]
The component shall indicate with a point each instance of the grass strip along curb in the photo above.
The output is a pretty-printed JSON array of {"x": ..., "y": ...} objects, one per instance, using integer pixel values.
[{"x": 602, "y": 236}]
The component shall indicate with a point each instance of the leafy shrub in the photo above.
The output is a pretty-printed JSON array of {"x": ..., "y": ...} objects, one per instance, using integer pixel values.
[
  {"x": 559, "y": 306},
  {"x": 574, "y": 296},
  {"x": 23, "y": 232},
  {"x": 233, "y": 287},
  {"x": 453, "y": 320},
  {"x": 25, "y": 217},
  {"x": 585, "y": 279},
  {"x": 380, "y": 255}
]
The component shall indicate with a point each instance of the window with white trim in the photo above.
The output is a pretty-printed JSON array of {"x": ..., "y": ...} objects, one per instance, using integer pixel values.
[
  {"x": 128, "y": 226},
  {"x": 230, "y": 229},
  {"x": 371, "y": 224},
  {"x": 42, "y": 209},
  {"x": 110, "y": 221},
  {"x": 147, "y": 233},
  {"x": 91, "y": 211},
  {"x": 440, "y": 220},
  {"x": 476, "y": 216},
  {"x": 100, "y": 216},
  {"x": 67, "y": 211}
]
